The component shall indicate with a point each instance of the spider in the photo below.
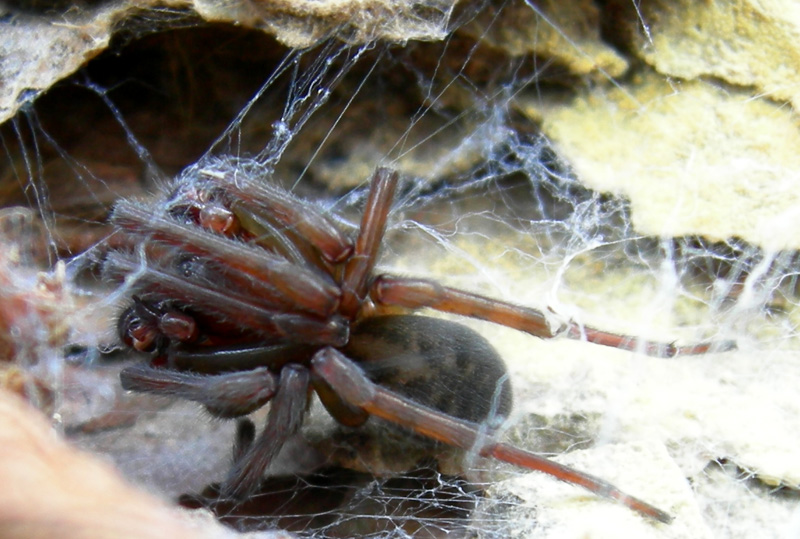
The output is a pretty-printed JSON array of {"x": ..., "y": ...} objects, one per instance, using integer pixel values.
[{"x": 246, "y": 294}]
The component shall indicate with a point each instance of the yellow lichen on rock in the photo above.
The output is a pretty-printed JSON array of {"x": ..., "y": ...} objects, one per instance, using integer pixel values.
[
  {"x": 692, "y": 157},
  {"x": 744, "y": 42}
]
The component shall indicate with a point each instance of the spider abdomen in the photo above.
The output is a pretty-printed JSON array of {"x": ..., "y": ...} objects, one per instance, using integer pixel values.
[{"x": 437, "y": 363}]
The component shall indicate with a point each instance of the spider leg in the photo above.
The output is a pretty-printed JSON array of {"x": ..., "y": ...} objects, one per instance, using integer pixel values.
[
  {"x": 418, "y": 293},
  {"x": 284, "y": 241},
  {"x": 350, "y": 382},
  {"x": 239, "y": 357},
  {"x": 341, "y": 410},
  {"x": 270, "y": 203},
  {"x": 224, "y": 395},
  {"x": 285, "y": 417},
  {"x": 225, "y": 305},
  {"x": 309, "y": 289},
  {"x": 373, "y": 224},
  {"x": 243, "y": 439}
]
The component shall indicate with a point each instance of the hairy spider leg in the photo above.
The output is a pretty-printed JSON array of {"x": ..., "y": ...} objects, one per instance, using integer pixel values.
[
  {"x": 292, "y": 327},
  {"x": 261, "y": 198},
  {"x": 313, "y": 290},
  {"x": 209, "y": 206},
  {"x": 342, "y": 411},
  {"x": 225, "y": 395},
  {"x": 285, "y": 417},
  {"x": 352, "y": 385},
  {"x": 358, "y": 267},
  {"x": 243, "y": 439},
  {"x": 419, "y": 293},
  {"x": 280, "y": 239}
]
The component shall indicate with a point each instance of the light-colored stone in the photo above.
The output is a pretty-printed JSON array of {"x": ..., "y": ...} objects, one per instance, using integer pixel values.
[
  {"x": 38, "y": 50},
  {"x": 692, "y": 158},
  {"x": 748, "y": 43},
  {"x": 568, "y": 33}
]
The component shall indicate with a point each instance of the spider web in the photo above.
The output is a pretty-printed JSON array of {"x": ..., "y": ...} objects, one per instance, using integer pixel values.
[{"x": 495, "y": 199}]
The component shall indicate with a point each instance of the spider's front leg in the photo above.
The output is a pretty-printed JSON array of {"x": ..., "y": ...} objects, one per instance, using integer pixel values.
[
  {"x": 224, "y": 395},
  {"x": 352, "y": 385},
  {"x": 234, "y": 394},
  {"x": 225, "y": 305},
  {"x": 305, "y": 287}
]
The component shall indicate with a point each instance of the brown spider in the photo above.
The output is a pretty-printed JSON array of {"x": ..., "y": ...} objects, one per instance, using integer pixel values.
[{"x": 246, "y": 294}]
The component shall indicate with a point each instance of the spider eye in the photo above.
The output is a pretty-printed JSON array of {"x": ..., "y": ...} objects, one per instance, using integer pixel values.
[{"x": 189, "y": 266}]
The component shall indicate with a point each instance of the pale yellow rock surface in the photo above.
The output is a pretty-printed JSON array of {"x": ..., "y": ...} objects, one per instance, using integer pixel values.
[
  {"x": 566, "y": 32},
  {"x": 749, "y": 43},
  {"x": 692, "y": 157}
]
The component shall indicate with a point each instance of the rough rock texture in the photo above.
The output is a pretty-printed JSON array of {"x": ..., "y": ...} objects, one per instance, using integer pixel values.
[
  {"x": 745, "y": 43},
  {"x": 709, "y": 151},
  {"x": 565, "y": 32},
  {"x": 40, "y": 46},
  {"x": 304, "y": 23},
  {"x": 691, "y": 156}
]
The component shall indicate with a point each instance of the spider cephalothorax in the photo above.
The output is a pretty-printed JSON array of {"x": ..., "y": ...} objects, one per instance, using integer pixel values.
[{"x": 246, "y": 294}]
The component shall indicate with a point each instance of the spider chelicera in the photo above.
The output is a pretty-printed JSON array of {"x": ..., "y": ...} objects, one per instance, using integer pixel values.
[{"x": 246, "y": 294}]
